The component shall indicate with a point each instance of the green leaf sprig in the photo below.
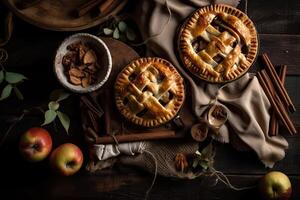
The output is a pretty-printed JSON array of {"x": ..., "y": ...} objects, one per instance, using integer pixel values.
[
  {"x": 53, "y": 109},
  {"x": 119, "y": 30},
  {"x": 11, "y": 79},
  {"x": 205, "y": 158}
]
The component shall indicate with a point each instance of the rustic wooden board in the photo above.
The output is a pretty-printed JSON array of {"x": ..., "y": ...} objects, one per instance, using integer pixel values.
[{"x": 59, "y": 15}]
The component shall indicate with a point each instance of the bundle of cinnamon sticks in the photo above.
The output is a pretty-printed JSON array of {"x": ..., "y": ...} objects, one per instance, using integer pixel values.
[{"x": 273, "y": 86}]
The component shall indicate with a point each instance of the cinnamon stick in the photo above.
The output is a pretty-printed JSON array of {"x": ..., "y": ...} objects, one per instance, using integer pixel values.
[
  {"x": 282, "y": 73},
  {"x": 93, "y": 121},
  {"x": 281, "y": 113},
  {"x": 107, "y": 117},
  {"x": 87, "y": 7},
  {"x": 132, "y": 137},
  {"x": 105, "y": 5},
  {"x": 274, "y": 126},
  {"x": 281, "y": 91},
  {"x": 279, "y": 102}
]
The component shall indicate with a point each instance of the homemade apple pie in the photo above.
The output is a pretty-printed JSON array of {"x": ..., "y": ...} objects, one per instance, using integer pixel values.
[
  {"x": 218, "y": 43},
  {"x": 149, "y": 92}
]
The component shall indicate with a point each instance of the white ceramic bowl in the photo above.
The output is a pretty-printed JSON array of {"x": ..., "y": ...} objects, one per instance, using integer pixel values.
[{"x": 103, "y": 55}]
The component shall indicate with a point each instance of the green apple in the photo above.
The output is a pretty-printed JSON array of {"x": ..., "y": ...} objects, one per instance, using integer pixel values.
[
  {"x": 275, "y": 186},
  {"x": 35, "y": 144},
  {"x": 66, "y": 159}
]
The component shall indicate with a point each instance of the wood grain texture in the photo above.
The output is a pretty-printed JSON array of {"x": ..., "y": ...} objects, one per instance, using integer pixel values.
[
  {"x": 31, "y": 52},
  {"x": 133, "y": 186},
  {"x": 283, "y": 49},
  {"x": 276, "y": 16},
  {"x": 61, "y": 15}
]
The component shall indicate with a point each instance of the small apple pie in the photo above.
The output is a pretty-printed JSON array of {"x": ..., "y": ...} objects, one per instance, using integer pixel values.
[
  {"x": 218, "y": 43},
  {"x": 149, "y": 92}
]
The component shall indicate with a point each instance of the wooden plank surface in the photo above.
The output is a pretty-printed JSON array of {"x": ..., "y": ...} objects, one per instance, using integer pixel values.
[
  {"x": 133, "y": 186},
  {"x": 31, "y": 52},
  {"x": 276, "y": 16}
]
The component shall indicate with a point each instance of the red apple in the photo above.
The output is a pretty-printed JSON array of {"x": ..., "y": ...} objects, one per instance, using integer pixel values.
[
  {"x": 35, "y": 144},
  {"x": 275, "y": 186},
  {"x": 66, "y": 159}
]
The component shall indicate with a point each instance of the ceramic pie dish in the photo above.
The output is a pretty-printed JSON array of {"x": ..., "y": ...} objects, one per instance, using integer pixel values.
[
  {"x": 149, "y": 92},
  {"x": 218, "y": 43}
]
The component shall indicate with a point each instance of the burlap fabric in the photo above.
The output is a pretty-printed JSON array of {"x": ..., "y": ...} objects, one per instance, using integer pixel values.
[{"x": 154, "y": 157}]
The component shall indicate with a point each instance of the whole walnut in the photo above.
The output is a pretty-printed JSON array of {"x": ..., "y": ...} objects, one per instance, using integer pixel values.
[{"x": 181, "y": 163}]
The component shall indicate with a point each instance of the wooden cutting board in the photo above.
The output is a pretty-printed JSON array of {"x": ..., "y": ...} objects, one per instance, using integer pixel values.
[{"x": 58, "y": 15}]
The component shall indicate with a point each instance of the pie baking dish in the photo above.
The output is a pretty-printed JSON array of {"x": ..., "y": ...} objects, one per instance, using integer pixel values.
[
  {"x": 149, "y": 92},
  {"x": 218, "y": 43}
]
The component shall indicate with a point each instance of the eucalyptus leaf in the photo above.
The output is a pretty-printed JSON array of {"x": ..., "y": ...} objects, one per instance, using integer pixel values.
[
  {"x": 6, "y": 92},
  {"x": 130, "y": 34},
  {"x": 122, "y": 26},
  {"x": 123, "y": 38},
  {"x": 65, "y": 120},
  {"x": 207, "y": 152},
  {"x": 116, "y": 33},
  {"x": 53, "y": 105},
  {"x": 1, "y": 76},
  {"x": 50, "y": 116},
  {"x": 107, "y": 31},
  {"x": 14, "y": 78},
  {"x": 63, "y": 96},
  {"x": 195, "y": 163},
  {"x": 59, "y": 95},
  {"x": 204, "y": 164},
  {"x": 18, "y": 93}
]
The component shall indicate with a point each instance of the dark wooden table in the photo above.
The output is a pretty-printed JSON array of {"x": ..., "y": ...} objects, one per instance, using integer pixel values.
[{"x": 31, "y": 52}]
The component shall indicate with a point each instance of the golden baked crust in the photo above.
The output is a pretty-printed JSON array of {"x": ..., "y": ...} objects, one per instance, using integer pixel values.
[
  {"x": 218, "y": 43},
  {"x": 149, "y": 91}
]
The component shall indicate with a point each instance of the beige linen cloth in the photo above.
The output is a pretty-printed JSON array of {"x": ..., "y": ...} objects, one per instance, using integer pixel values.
[
  {"x": 245, "y": 100},
  {"x": 248, "y": 105}
]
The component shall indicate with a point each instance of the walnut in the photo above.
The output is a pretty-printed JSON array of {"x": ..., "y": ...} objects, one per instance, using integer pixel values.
[
  {"x": 69, "y": 59},
  {"x": 75, "y": 80},
  {"x": 90, "y": 57},
  {"x": 82, "y": 51},
  {"x": 81, "y": 64},
  {"x": 74, "y": 46},
  {"x": 76, "y": 72},
  {"x": 181, "y": 163},
  {"x": 86, "y": 81}
]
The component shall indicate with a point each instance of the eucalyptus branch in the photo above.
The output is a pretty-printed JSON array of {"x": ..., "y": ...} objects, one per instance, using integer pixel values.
[
  {"x": 50, "y": 114},
  {"x": 119, "y": 29},
  {"x": 54, "y": 112}
]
